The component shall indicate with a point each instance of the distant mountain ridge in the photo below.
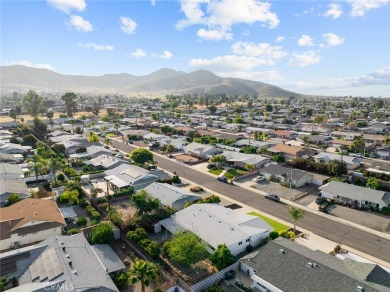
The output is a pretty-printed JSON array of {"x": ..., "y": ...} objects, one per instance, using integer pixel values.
[{"x": 163, "y": 81}]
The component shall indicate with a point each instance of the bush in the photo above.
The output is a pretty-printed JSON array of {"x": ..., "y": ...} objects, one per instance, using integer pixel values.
[
  {"x": 151, "y": 248},
  {"x": 102, "y": 200},
  {"x": 283, "y": 233},
  {"x": 385, "y": 211},
  {"x": 290, "y": 234},
  {"x": 137, "y": 235},
  {"x": 13, "y": 199},
  {"x": 274, "y": 234},
  {"x": 120, "y": 280},
  {"x": 176, "y": 179},
  {"x": 73, "y": 231},
  {"x": 83, "y": 203},
  {"x": 70, "y": 171},
  {"x": 71, "y": 197},
  {"x": 61, "y": 177},
  {"x": 103, "y": 234},
  {"x": 93, "y": 213},
  {"x": 82, "y": 221},
  {"x": 211, "y": 200},
  {"x": 196, "y": 189}
]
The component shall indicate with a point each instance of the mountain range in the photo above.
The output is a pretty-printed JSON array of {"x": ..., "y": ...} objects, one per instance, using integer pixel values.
[{"x": 163, "y": 81}]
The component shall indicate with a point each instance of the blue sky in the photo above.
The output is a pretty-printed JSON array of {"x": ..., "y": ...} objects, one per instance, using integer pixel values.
[{"x": 314, "y": 47}]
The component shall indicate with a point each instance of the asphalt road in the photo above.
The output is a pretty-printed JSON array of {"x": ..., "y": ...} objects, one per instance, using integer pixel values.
[{"x": 338, "y": 232}]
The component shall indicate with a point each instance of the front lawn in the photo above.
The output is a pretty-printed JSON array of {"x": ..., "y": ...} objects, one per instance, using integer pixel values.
[
  {"x": 277, "y": 226},
  {"x": 216, "y": 170},
  {"x": 231, "y": 173}
]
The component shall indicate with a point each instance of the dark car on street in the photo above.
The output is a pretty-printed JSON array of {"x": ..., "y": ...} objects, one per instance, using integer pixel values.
[
  {"x": 222, "y": 179},
  {"x": 272, "y": 197}
]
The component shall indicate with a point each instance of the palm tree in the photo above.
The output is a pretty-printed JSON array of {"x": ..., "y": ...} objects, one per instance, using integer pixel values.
[
  {"x": 107, "y": 141},
  {"x": 37, "y": 164},
  {"x": 54, "y": 166},
  {"x": 117, "y": 126},
  {"x": 296, "y": 214},
  {"x": 143, "y": 272},
  {"x": 83, "y": 117}
]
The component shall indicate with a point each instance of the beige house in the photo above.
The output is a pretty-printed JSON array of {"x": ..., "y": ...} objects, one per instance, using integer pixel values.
[{"x": 29, "y": 221}]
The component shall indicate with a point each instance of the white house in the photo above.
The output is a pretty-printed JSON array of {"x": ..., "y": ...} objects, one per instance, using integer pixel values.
[
  {"x": 29, "y": 221},
  {"x": 238, "y": 159},
  {"x": 324, "y": 157},
  {"x": 284, "y": 174},
  {"x": 352, "y": 194},
  {"x": 201, "y": 150},
  {"x": 217, "y": 225},
  {"x": 11, "y": 148}
]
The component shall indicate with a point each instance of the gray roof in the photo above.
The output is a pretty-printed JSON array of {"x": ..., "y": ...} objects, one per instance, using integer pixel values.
[
  {"x": 335, "y": 156},
  {"x": 95, "y": 149},
  {"x": 9, "y": 187},
  {"x": 68, "y": 212},
  {"x": 109, "y": 259},
  {"x": 286, "y": 172},
  {"x": 169, "y": 195},
  {"x": 356, "y": 193},
  {"x": 198, "y": 148},
  {"x": 285, "y": 264},
  {"x": 217, "y": 225},
  {"x": 85, "y": 271},
  {"x": 254, "y": 143},
  {"x": 4, "y": 157},
  {"x": 251, "y": 159},
  {"x": 10, "y": 171}
]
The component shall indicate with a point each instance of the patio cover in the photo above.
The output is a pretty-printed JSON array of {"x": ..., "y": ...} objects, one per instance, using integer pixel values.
[{"x": 171, "y": 225}]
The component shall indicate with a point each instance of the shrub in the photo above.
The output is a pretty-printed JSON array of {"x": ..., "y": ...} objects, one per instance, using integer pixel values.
[
  {"x": 290, "y": 234},
  {"x": 73, "y": 231},
  {"x": 137, "y": 235},
  {"x": 82, "y": 221},
  {"x": 176, "y": 179},
  {"x": 103, "y": 234},
  {"x": 274, "y": 234},
  {"x": 211, "y": 199},
  {"x": 13, "y": 199},
  {"x": 385, "y": 211},
  {"x": 102, "y": 200},
  {"x": 83, "y": 203},
  {"x": 283, "y": 233},
  {"x": 196, "y": 189},
  {"x": 120, "y": 280},
  {"x": 151, "y": 248},
  {"x": 61, "y": 177}
]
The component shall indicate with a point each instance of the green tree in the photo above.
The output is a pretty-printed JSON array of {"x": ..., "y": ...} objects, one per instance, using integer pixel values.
[
  {"x": 49, "y": 115},
  {"x": 117, "y": 126},
  {"x": 218, "y": 159},
  {"x": 238, "y": 120},
  {"x": 358, "y": 145},
  {"x": 144, "y": 203},
  {"x": 186, "y": 248},
  {"x": 70, "y": 100},
  {"x": 213, "y": 109},
  {"x": 37, "y": 164},
  {"x": 103, "y": 233},
  {"x": 222, "y": 257},
  {"x": 107, "y": 141},
  {"x": 121, "y": 280},
  {"x": 12, "y": 199},
  {"x": 143, "y": 272},
  {"x": 296, "y": 214},
  {"x": 32, "y": 103},
  {"x": 54, "y": 166},
  {"x": 171, "y": 148},
  {"x": 93, "y": 137},
  {"x": 278, "y": 158},
  {"x": 141, "y": 156},
  {"x": 373, "y": 183},
  {"x": 337, "y": 167},
  {"x": 82, "y": 221},
  {"x": 269, "y": 108},
  {"x": 320, "y": 119},
  {"x": 4, "y": 282},
  {"x": 215, "y": 288},
  {"x": 137, "y": 235}
]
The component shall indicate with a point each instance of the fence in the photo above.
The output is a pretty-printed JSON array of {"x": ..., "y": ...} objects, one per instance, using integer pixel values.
[{"x": 213, "y": 279}]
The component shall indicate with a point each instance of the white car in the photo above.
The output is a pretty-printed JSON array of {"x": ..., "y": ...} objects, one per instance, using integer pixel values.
[
  {"x": 258, "y": 179},
  {"x": 119, "y": 155}
]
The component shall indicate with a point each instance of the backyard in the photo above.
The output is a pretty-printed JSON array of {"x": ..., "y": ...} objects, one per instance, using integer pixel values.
[{"x": 277, "y": 226}]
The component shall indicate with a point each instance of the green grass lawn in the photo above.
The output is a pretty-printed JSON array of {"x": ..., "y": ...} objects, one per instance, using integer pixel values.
[
  {"x": 216, "y": 170},
  {"x": 275, "y": 224},
  {"x": 231, "y": 173}
]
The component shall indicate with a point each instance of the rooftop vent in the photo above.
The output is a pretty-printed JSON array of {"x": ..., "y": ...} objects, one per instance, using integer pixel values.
[
  {"x": 310, "y": 265},
  {"x": 231, "y": 229},
  {"x": 281, "y": 251},
  {"x": 36, "y": 213},
  {"x": 70, "y": 264},
  {"x": 75, "y": 272},
  {"x": 360, "y": 288},
  {"x": 67, "y": 256},
  {"x": 61, "y": 242},
  {"x": 63, "y": 249},
  {"x": 219, "y": 221}
]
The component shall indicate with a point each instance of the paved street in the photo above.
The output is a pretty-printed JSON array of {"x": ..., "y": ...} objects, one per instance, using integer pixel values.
[{"x": 338, "y": 232}]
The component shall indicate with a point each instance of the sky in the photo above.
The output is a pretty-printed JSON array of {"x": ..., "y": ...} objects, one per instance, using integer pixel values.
[{"x": 336, "y": 48}]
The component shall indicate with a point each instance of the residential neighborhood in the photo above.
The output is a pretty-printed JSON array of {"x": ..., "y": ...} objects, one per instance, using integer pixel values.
[{"x": 267, "y": 196}]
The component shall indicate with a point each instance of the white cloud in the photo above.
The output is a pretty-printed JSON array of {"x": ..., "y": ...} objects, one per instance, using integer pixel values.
[
  {"x": 360, "y": 7},
  {"x": 96, "y": 47},
  {"x": 30, "y": 64},
  {"x": 153, "y": 2},
  {"x": 80, "y": 23},
  {"x": 214, "y": 34},
  {"x": 264, "y": 50},
  {"x": 230, "y": 63},
  {"x": 305, "y": 41},
  {"x": 304, "y": 59},
  {"x": 280, "y": 39},
  {"x": 334, "y": 11},
  {"x": 222, "y": 15},
  {"x": 332, "y": 39},
  {"x": 128, "y": 25},
  {"x": 138, "y": 53},
  {"x": 257, "y": 75},
  {"x": 166, "y": 55},
  {"x": 68, "y": 5}
]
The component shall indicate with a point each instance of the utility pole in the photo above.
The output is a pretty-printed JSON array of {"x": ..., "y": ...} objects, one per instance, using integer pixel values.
[{"x": 289, "y": 191}]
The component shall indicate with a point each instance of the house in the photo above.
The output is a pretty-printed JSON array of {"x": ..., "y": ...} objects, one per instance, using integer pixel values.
[
  {"x": 62, "y": 263},
  {"x": 346, "y": 135},
  {"x": 289, "y": 152},
  {"x": 10, "y": 171},
  {"x": 29, "y": 221},
  {"x": 372, "y": 138},
  {"x": 284, "y": 174},
  {"x": 170, "y": 195},
  {"x": 285, "y": 134},
  {"x": 324, "y": 157},
  {"x": 237, "y": 159},
  {"x": 254, "y": 143},
  {"x": 317, "y": 139},
  {"x": 341, "y": 143},
  {"x": 283, "y": 265},
  {"x": 12, "y": 186},
  {"x": 12, "y": 148},
  {"x": 359, "y": 196},
  {"x": 217, "y": 225},
  {"x": 8, "y": 158},
  {"x": 105, "y": 162},
  {"x": 383, "y": 152},
  {"x": 201, "y": 151},
  {"x": 128, "y": 175},
  {"x": 96, "y": 150}
]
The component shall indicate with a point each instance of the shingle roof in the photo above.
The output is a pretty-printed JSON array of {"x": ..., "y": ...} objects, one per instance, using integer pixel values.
[
  {"x": 10, "y": 171},
  {"x": 109, "y": 259},
  {"x": 285, "y": 264},
  {"x": 356, "y": 192},
  {"x": 28, "y": 210},
  {"x": 286, "y": 172},
  {"x": 287, "y": 149}
]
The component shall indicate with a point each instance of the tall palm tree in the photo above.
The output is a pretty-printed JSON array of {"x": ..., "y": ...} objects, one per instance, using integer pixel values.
[
  {"x": 143, "y": 272},
  {"x": 107, "y": 141},
  {"x": 117, "y": 126},
  {"x": 37, "y": 164},
  {"x": 296, "y": 214},
  {"x": 54, "y": 166}
]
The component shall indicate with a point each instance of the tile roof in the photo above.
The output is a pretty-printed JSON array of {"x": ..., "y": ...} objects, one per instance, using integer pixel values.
[{"x": 294, "y": 150}]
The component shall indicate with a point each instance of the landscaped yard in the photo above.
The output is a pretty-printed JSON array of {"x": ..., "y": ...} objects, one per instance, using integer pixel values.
[
  {"x": 216, "y": 170},
  {"x": 232, "y": 173},
  {"x": 275, "y": 224}
]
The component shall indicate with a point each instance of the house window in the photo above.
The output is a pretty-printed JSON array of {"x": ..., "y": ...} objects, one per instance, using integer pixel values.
[{"x": 240, "y": 243}]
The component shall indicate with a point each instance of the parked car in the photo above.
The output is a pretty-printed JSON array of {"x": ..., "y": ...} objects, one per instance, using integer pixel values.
[
  {"x": 119, "y": 155},
  {"x": 211, "y": 165},
  {"x": 258, "y": 179},
  {"x": 357, "y": 155},
  {"x": 222, "y": 179},
  {"x": 320, "y": 200},
  {"x": 272, "y": 197}
]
